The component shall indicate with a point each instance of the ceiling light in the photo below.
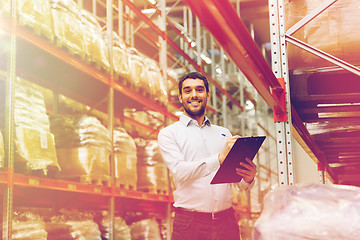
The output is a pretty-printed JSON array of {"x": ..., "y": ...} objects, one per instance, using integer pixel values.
[
  {"x": 148, "y": 10},
  {"x": 153, "y": 2},
  {"x": 218, "y": 70},
  {"x": 206, "y": 59}
]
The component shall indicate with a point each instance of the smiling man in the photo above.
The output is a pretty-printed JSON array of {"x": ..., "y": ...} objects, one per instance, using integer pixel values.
[{"x": 193, "y": 149}]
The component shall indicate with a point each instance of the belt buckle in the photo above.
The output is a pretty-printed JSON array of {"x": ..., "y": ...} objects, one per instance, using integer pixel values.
[{"x": 213, "y": 216}]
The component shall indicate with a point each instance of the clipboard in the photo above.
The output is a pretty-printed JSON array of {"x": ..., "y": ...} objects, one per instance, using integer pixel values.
[{"x": 242, "y": 148}]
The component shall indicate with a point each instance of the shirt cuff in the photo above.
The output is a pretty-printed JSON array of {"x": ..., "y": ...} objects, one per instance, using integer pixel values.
[{"x": 244, "y": 185}]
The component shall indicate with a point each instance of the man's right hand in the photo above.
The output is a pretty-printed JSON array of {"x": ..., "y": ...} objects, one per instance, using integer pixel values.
[{"x": 229, "y": 143}]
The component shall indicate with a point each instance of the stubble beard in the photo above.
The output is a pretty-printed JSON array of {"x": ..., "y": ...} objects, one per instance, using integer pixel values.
[{"x": 195, "y": 114}]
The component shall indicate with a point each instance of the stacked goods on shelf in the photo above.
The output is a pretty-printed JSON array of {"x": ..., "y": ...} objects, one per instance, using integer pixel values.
[
  {"x": 125, "y": 159},
  {"x": 120, "y": 57},
  {"x": 334, "y": 31},
  {"x": 95, "y": 47},
  {"x": 28, "y": 225},
  {"x": 83, "y": 146},
  {"x": 69, "y": 225},
  {"x": 121, "y": 229},
  {"x": 68, "y": 27},
  {"x": 137, "y": 70},
  {"x": 145, "y": 229},
  {"x": 312, "y": 211},
  {"x": 2, "y": 152},
  {"x": 151, "y": 171},
  {"x": 34, "y": 143},
  {"x": 158, "y": 86},
  {"x": 36, "y": 15}
]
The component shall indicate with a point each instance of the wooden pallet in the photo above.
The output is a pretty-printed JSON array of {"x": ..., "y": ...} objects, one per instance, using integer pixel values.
[
  {"x": 38, "y": 31},
  {"x": 120, "y": 185},
  {"x": 103, "y": 181},
  {"x": 153, "y": 190}
]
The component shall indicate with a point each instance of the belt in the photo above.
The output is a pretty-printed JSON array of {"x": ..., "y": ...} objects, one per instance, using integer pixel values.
[{"x": 206, "y": 215}]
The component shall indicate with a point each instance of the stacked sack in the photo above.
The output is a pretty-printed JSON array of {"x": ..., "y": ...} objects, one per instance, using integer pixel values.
[
  {"x": 137, "y": 70},
  {"x": 120, "y": 56},
  {"x": 27, "y": 224},
  {"x": 152, "y": 172},
  {"x": 125, "y": 159},
  {"x": 72, "y": 224},
  {"x": 68, "y": 27},
  {"x": 156, "y": 81},
  {"x": 36, "y": 15},
  {"x": 95, "y": 47},
  {"x": 121, "y": 229},
  {"x": 34, "y": 143},
  {"x": 83, "y": 146},
  {"x": 146, "y": 229}
]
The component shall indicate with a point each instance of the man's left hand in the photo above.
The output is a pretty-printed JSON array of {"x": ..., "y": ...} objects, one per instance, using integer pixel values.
[{"x": 248, "y": 172}]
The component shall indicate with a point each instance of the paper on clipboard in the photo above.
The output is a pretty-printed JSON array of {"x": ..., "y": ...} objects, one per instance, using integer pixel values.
[{"x": 242, "y": 148}]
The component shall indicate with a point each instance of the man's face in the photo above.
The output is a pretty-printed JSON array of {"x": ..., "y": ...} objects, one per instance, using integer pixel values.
[{"x": 194, "y": 97}]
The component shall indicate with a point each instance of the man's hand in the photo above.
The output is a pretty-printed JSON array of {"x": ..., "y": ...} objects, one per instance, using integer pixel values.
[
  {"x": 230, "y": 141},
  {"x": 248, "y": 172}
]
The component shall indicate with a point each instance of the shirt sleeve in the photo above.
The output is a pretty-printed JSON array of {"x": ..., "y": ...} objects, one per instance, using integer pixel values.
[
  {"x": 183, "y": 170},
  {"x": 242, "y": 185}
]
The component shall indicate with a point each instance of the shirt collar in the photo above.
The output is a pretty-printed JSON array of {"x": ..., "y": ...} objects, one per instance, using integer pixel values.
[{"x": 186, "y": 120}]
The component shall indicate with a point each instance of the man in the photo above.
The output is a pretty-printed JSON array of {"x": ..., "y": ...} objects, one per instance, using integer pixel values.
[{"x": 193, "y": 149}]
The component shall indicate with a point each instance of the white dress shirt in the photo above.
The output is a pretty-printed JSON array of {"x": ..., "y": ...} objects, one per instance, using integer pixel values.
[{"x": 191, "y": 153}]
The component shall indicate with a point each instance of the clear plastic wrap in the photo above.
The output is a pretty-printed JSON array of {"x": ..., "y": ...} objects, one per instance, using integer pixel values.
[
  {"x": 152, "y": 174},
  {"x": 322, "y": 212},
  {"x": 83, "y": 146},
  {"x": 125, "y": 158},
  {"x": 334, "y": 31},
  {"x": 36, "y": 14},
  {"x": 73, "y": 225},
  {"x": 28, "y": 225},
  {"x": 156, "y": 81},
  {"x": 68, "y": 28},
  {"x": 147, "y": 229},
  {"x": 137, "y": 70},
  {"x": 34, "y": 143},
  {"x": 95, "y": 47},
  {"x": 120, "y": 56},
  {"x": 121, "y": 229}
]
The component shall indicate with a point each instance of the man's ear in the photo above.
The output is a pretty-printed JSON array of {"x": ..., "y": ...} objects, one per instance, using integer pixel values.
[{"x": 180, "y": 98}]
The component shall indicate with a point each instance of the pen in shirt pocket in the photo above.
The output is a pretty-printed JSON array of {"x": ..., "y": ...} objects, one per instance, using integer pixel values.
[{"x": 223, "y": 134}]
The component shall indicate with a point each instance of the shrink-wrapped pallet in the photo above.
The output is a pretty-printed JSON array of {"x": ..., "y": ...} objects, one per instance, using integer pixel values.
[
  {"x": 322, "y": 212},
  {"x": 121, "y": 229},
  {"x": 152, "y": 174},
  {"x": 34, "y": 143},
  {"x": 125, "y": 159},
  {"x": 28, "y": 225},
  {"x": 156, "y": 81},
  {"x": 2, "y": 151},
  {"x": 68, "y": 28},
  {"x": 95, "y": 47},
  {"x": 83, "y": 147},
  {"x": 69, "y": 225},
  {"x": 147, "y": 229},
  {"x": 334, "y": 31},
  {"x": 36, "y": 14},
  {"x": 120, "y": 56},
  {"x": 138, "y": 71}
]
